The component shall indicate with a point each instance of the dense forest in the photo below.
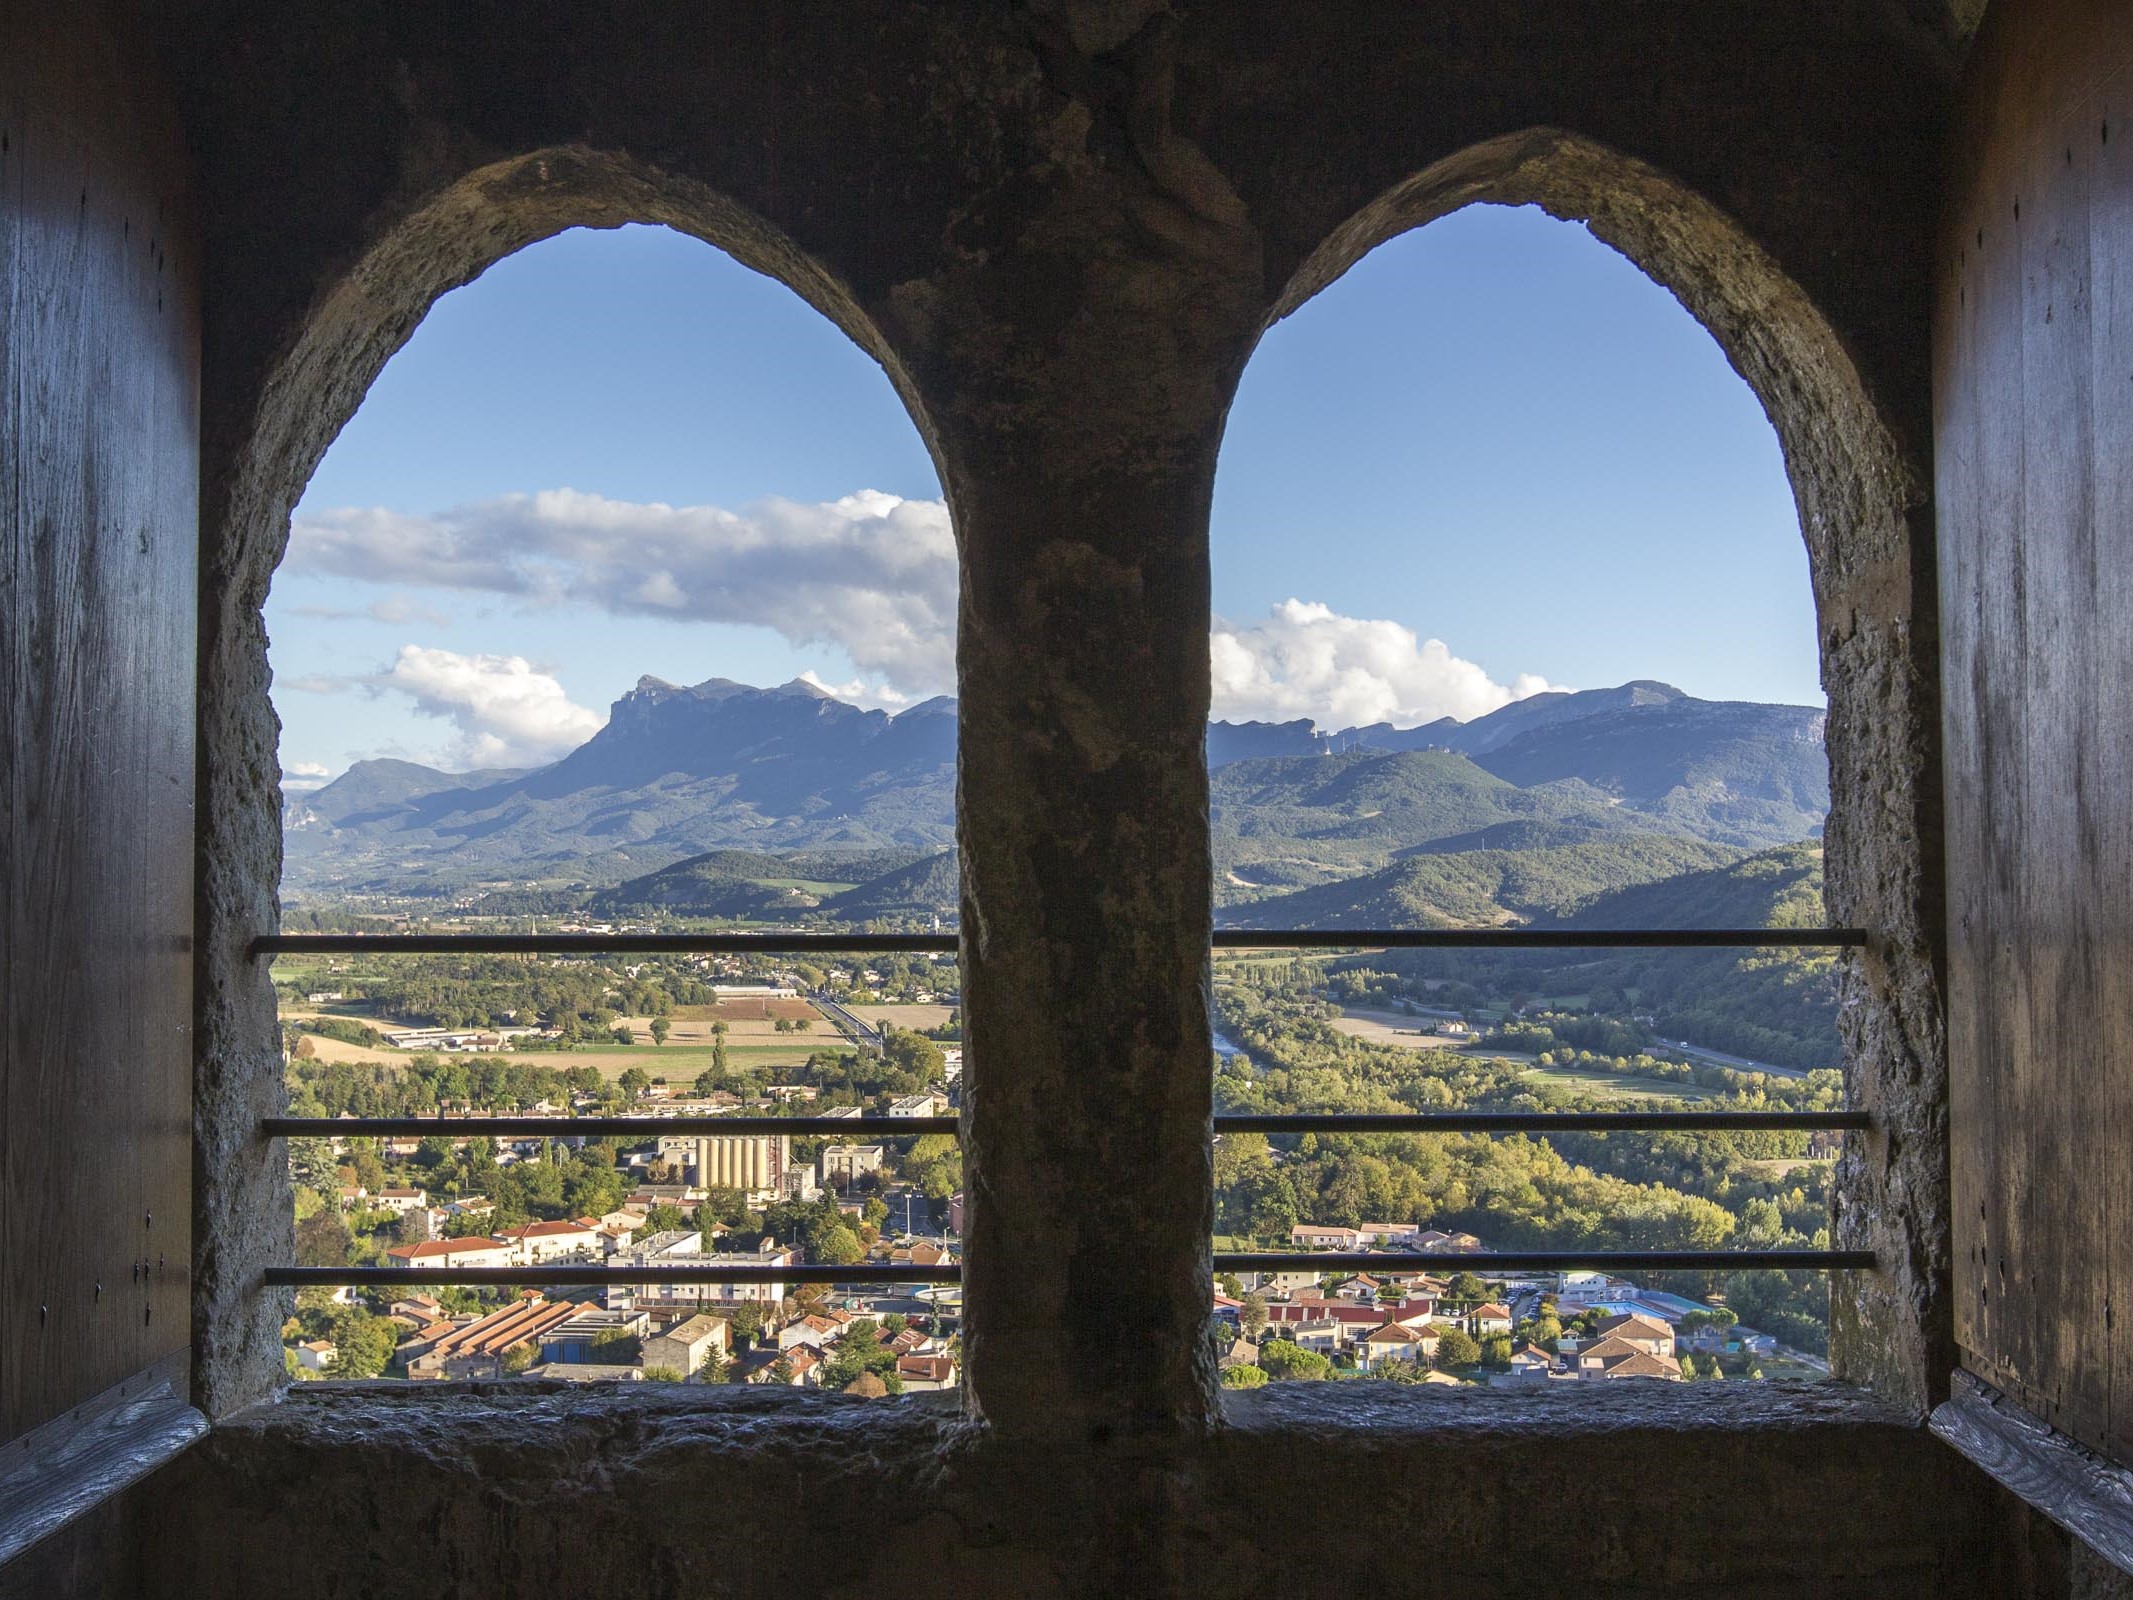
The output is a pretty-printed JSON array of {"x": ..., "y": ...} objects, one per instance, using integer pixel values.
[{"x": 1573, "y": 1191}]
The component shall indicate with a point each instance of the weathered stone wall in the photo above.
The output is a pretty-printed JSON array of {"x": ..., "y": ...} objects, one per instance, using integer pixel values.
[
  {"x": 1062, "y": 226},
  {"x": 1643, "y": 1491}
]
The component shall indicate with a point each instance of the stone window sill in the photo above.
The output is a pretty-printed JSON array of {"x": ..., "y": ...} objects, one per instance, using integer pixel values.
[{"x": 467, "y": 1414}]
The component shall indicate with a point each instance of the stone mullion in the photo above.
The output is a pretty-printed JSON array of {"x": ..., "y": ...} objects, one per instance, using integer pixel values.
[{"x": 1082, "y": 815}]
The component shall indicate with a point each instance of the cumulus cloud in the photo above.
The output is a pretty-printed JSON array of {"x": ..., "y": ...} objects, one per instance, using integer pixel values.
[
  {"x": 872, "y": 574},
  {"x": 506, "y": 711},
  {"x": 1307, "y": 660},
  {"x": 867, "y": 696},
  {"x": 298, "y": 776}
]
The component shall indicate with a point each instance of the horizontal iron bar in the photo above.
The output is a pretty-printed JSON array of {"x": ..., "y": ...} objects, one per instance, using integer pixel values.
[
  {"x": 603, "y": 944},
  {"x": 911, "y": 1127},
  {"x": 776, "y": 944},
  {"x": 565, "y": 1275},
  {"x": 1501, "y": 1261},
  {"x": 1549, "y": 1122},
  {"x": 1533, "y": 938},
  {"x": 595, "y": 1127}
]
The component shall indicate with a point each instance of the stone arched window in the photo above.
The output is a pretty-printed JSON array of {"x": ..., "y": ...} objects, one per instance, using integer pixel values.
[
  {"x": 362, "y": 317},
  {"x": 1859, "y": 493}
]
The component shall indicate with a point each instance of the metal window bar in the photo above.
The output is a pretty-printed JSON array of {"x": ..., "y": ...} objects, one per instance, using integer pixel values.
[
  {"x": 1319, "y": 1262},
  {"x": 1501, "y": 1261},
  {"x": 571, "y": 1275},
  {"x": 1547, "y": 1122},
  {"x": 779, "y": 944},
  {"x": 1493, "y": 1122},
  {"x": 640, "y": 1128},
  {"x": 647, "y": 1127}
]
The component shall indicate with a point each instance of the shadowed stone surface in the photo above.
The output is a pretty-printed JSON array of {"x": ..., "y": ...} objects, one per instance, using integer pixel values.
[
  {"x": 1062, "y": 226},
  {"x": 1651, "y": 1490}
]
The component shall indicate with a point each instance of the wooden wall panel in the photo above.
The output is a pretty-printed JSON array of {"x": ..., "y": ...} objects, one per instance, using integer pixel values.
[
  {"x": 2034, "y": 466},
  {"x": 99, "y": 378}
]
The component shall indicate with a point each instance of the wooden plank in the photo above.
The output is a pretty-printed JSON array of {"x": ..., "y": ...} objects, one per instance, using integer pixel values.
[
  {"x": 99, "y": 362},
  {"x": 10, "y": 730},
  {"x": 2088, "y": 1496},
  {"x": 1960, "y": 448},
  {"x": 57, "y": 1472},
  {"x": 2110, "y": 160},
  {"x": 2034, "y": 478},
  {"x": 2056, "y": 1096},
  {"x": 1986, "y": 757}
]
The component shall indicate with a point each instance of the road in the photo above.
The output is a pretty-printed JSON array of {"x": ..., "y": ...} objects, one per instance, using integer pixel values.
[
  {"x": 1718, "y": 1058},
  {"x": 847, "y": 1024}
]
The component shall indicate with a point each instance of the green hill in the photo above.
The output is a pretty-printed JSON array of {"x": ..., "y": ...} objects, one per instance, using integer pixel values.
[
  {"x": 1485, "y": 888},
  {"x": 1778, "y": 1006},
  {"x": 1294, "y": 822},
  {"x": 739, "y": 884},
  {"x": 929, "y": 886},
  {"x": 1779, "y": 888},
  {"x": 759, "y": 886}
]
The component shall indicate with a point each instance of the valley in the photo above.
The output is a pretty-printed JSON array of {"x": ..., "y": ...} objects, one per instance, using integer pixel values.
[{"x": 726, "y": 807}]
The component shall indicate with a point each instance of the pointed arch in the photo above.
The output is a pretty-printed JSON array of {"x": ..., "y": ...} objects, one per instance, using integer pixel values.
[
  {"x": 1864, "y": 508},
  {"x": 256, "y": 464}
]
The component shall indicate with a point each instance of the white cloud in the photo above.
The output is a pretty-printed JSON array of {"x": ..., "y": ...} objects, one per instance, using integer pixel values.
[
  {"x": 871, "y": 574},
  {"x": 1307, "y": 660},
  {"x": 867, "y": 696},
  {"x": 507, "y": 712},
  {"x": 395, "y": 610},
  {"x": 297, "y": 777}
]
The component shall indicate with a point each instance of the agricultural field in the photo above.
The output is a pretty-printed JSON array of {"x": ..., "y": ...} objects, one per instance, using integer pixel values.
[
  {"x": 1614, "y": 1086},
  {"x": 1411, "y": 1033},
  {"x": 753, "y": 1038},
  {"x": 747, "y": 1022},
  {"x": 917, "y": 1018},
  {"x": 674, "y": 1064},
  {"x": 1391, "y": 1027}
]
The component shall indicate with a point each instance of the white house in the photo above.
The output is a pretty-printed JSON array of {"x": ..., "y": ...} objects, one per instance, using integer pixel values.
[
  {"x": 1276, "y": 1282},
  {"x": 1395, "y": 1342},
  {"x": 844, "y": 1164},
  {"x": 1486, "y": 1321},
  {"x": 687, "y": 1346},
  {"x": 315, "y": 1355},
  {"x": 1388, "y": 1233},
  {"x": 922, "y": 1373},
  {"x": 476, "y": 1251},
  {"x": 821, "y": 1330},
  {"x": 676, "y": 1294},
  {"x": 1578, "y": 1291},
  {"x": 1647, "y": 1334},
  {"x": 1530, "y": 1365},
  {"x": 1309, "y": 1236},
  {"x": 1616, "y": 1357},
  {"x": 533, "y": 1243}
]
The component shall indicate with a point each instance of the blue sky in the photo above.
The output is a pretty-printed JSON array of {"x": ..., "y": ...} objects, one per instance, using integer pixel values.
[{"x": 621, "y": 453}]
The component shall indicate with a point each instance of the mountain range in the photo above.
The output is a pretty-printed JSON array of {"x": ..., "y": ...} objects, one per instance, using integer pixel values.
[{"x": 809, "y": 799}]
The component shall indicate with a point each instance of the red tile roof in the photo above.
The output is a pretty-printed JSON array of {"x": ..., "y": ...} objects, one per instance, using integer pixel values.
[{"x": 444, "y": 1249}]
